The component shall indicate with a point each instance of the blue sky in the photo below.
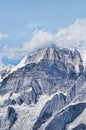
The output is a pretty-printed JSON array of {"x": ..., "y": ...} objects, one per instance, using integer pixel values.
[
  {"x": 17, "y": 15},
  {"x": 20, "y": 18}
]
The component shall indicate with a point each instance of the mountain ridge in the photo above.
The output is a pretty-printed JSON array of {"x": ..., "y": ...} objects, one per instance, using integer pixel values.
[{"x": 54, "y": 74}]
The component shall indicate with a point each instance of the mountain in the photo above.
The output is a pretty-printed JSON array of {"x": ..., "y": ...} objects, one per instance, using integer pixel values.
[
  {"x": 4, "y": 70},
  {"x": 45, "y": 91}
]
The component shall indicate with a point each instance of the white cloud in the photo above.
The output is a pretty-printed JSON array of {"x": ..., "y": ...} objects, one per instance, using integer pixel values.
[
  {"x": 74, "y": 35},
  {"x": 2, "y": 36},
  {"x": 71, "y": 36},
  {"x": 39, "y": 39}
]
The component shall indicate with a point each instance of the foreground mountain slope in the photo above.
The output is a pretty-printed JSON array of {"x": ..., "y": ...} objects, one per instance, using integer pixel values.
[{"x": 43, "y": 90}]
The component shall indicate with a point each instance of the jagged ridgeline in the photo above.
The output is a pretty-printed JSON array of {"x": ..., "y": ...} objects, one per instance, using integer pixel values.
[{"x": 45, "y": 91}]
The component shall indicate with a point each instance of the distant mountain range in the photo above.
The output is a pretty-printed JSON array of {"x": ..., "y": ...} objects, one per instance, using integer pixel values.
[{"x": 45, "y": 91}]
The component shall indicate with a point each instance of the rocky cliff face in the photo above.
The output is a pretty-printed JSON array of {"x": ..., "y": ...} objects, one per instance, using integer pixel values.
[
  {"x": 66, "y": 116},
  {"x": 40, "y": 90}
]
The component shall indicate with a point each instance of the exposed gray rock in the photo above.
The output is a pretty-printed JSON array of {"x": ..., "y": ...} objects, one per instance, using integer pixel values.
[
  {"x": 19, "y": 100},
  {"x": 80, "y": 127},
  {"x": 48, "y": 62},
  {"x": 48, "y": 71},
  {"x": 66, "y": 116},
  {"x": 11, "y": 116},
  {"x": 36, "y": 88},
  {"x": 29, "y": 97},
  {"x": 9, "y": 102},
  {"x": 55, "y": 104},
  {"x": 76, "y": 89}
]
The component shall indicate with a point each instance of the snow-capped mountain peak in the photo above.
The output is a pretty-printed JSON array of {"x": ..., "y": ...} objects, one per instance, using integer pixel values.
[{"x": 45, "y": 91}]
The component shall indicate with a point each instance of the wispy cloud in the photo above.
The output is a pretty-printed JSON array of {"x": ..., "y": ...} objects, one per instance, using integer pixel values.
[
  {"x": 39, "y": 38},
  {"x": 2, "y": 36},
  {"x": 34, "y": 25},
  {"x": 71, "y": 36}
]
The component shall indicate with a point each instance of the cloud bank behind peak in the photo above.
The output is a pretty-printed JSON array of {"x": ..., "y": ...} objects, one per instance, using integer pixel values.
[{"x": 73, "y": 36}]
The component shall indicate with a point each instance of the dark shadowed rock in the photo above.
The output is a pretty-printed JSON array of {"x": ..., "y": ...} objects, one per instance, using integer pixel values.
[
  {"x": 19, "y": 100},
  {"x": 66, "y": 117},
  {"x": 9, "y": 102},
  {"x": 29, "y": 97},
  {"x": 53, "y": 105},
  {"x": 80, "y": 127},
  {"x": 11, "y": 116}
]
